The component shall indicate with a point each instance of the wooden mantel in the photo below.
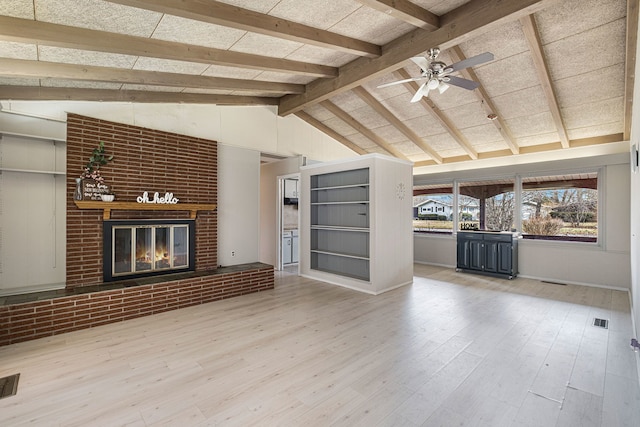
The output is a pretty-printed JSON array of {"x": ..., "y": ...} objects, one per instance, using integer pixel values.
[{"x": 107, "y": 207}]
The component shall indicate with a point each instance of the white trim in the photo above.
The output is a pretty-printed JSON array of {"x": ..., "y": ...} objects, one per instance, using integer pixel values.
[{"x": 31, "y": 289}]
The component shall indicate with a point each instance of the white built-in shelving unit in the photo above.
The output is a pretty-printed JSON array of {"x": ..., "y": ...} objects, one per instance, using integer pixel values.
[{"x": 356, "y": 223}]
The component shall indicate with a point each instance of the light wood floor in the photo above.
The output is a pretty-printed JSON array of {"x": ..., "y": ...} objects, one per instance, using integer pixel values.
[{"x": 451, "y": 349}]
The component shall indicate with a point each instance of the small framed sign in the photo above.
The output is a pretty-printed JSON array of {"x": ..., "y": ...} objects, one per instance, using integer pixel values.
[{"x": 93, "y": 190}]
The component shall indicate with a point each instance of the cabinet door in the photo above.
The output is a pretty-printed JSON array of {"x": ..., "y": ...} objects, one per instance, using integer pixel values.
[
  {"x": 477, "y": 254},
  {"x": 491, "y": 256},
  {"x": 504, "y": 258}
]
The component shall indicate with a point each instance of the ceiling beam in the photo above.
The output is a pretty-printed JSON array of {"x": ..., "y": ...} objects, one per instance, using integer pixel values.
[
  {"x": 437, "y": 114},
  {"x": 227, "y": 15},
  {"x": 397, "y": 123},
  {"x": 53, "y": 70},
  {"x": 406, "y": 11},
  {"x": 467, "y": 21},
  {"x": 351, "y": 121},
  {"x": 27, "y": 93},
  {"x": 44, "y": 33},
  {"x": 485, "y": 101},
  {"x": 630, "y": 64},
  {"x": 535, "y": 44},
  {"x": 330, "y": 132}
]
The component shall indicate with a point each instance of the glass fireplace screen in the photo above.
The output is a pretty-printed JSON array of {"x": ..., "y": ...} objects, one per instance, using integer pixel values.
[{"x": 146, "y": 249}]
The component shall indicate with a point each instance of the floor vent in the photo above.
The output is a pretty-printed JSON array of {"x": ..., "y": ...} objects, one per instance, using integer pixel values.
[
  {"x": 601, "y": 323},
  {"x": 9, "y": 385}
]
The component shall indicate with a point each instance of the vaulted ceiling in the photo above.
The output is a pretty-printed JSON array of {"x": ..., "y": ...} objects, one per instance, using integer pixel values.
[{"x": 562, "y": 74}]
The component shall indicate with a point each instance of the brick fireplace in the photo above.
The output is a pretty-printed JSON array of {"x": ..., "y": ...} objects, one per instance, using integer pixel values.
[{"x": 145, "y": 160}]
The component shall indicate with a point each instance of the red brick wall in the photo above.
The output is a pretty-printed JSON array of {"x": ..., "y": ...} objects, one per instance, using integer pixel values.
[
  {"x": 38, "y": 319},
  {"x": 145, "y": 160}
]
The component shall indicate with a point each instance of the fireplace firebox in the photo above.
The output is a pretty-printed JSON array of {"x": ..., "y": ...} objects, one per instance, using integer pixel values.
[{"x": 139, "y": 248}]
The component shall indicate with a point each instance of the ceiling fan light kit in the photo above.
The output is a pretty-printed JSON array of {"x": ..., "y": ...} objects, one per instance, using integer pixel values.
[{"x": 437, "y": 73}]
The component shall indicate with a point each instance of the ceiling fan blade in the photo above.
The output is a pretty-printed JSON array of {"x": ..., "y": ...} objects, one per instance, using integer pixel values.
[
  {"x": 422, "y": 91},
  {"x": 421, "y": 62},
  {"x": 413, "y": 79},
  {"x": 471, "y": 62},
  {"x": 463, "y": 83}
]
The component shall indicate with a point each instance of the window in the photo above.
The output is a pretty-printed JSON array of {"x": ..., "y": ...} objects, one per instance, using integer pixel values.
[
  {"x": 433, "y": 208},
  {"x": 560, "y": 207},
  {"x": 486, "y": 205},
  {"x": 552, "y": 207}
]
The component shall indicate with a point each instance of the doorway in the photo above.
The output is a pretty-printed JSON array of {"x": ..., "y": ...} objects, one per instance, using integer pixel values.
[{"x": 288, "y": 222}]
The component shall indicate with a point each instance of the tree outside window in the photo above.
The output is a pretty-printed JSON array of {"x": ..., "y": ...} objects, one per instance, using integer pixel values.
[
  {"x": 486, "y": 205},
  {"x": 560, "y": 207}
]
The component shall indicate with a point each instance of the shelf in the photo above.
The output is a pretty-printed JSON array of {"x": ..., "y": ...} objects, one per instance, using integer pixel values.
[
  {"x": 354, "y": 202},
  {"x": 339, "y": 228},
  {"x": 107, "y": 207},
  {"x": 38, "y": 137},
  {"x": 337, "y": 187},
  {"x": 32, "y": 171},
  {"x": 316, "y": 251}
]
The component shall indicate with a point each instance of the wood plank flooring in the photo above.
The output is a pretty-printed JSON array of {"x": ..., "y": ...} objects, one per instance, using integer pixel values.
[{"x": 451, "y": 349}]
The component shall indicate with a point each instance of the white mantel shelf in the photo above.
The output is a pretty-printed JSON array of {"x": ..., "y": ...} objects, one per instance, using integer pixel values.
[{"x": 107, "y": 207}]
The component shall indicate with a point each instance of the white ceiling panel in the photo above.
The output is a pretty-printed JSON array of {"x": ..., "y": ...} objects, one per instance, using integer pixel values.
[
  {"x": 390, "y": 134},
  {"x": 443, "y": 141},
  {"x": 169, "y": 66},
  {"x": 152, "y": 88},
  {"x": 425, "y": 125},
  {"x": 318, "y": 112},
  {"x": 231, "y": 72},
  {"x": 98, "y": 15},
  {"x": 594, "y": 86},
  {"x": 349, "y": 101},
  {"x": 532, "y": 125},
  {"x": 407, "y": 148},
  {"x": 258, "y": 44},
  {"x": 19, "y": 81},
  {"x": 567, "y": 18},
  {"x": 483, "y": 134},
  {"x": 362, "y": 141},
  {"x": 18, "y": 50},
  {"x": 490, "y": 147},
  {"x": 503, "y": 42},
  {"x": 262, "y": 6},
  {"x": 508, "y": 75},
  {"x": 339, "y": 126},
  {"x": 452, "y": 98},
  {"x": 591, "y": 50},
  {"x": 543, "y": 138},
  {"x": 272, "y": 76},
  {"x": 521, "y": 103},
  {"x": 596, "y": 130},
  {"x": 182, "y": 30},
  {"x": 320, "y": 55},
  {"x": 402, "y": 109},
  {"x": 606, "y": 111},
  {"x": 368, "y": 118},
  {"x": 422, "y": 157},
  {"x": 84, "y": 57},
  {"x": 440, "y": 7},
  {"x": 318, "y": 14},
  {"x": 17, "y": 8},
  {"x": 468, "y": 115},
  {"x": 78, "y": 84},
  {"x": 372, "y": 26}
]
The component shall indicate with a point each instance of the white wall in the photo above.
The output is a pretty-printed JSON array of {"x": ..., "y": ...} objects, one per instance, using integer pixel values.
[
  {"x": 635, "y": 213},
  {"x": 238, "y": 196},
  {"x": 604, "y": 264},
  {"x": 255, "y": 127}
]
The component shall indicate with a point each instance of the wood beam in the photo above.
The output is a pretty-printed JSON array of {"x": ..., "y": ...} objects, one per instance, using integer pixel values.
[
  {"x": 467, "y": 21},
  {"x": 52, "y": 70},
  {"x": 351, "y": 121},
  {"x": 44, "y": 33},
  {"x": 227, "y": 15},
  {"x": 630, "y": 64},
  {"x": 535, "y": 44},
  {"x": 397, "y": 123},
  {"x": 437, "y": 114},
  {"x": 485, "y": 101},
  {"x": 27, "y": 93},
  {"x": 406, "y": 11},
  {"x": 330, "y": 132}
]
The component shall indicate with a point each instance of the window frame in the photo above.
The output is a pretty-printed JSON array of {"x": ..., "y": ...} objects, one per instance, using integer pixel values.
[{"x": 518, "y": 194}]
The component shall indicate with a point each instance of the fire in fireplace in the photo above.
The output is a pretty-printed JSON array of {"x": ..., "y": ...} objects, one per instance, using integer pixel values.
[{"x": 136, "y": 248}]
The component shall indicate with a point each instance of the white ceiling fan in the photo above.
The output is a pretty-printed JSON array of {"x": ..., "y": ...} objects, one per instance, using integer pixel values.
[{"x": 437, "y": 73}]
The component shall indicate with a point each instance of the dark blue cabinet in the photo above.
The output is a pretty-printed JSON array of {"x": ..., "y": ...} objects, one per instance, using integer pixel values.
[{"x": 492, "y": 253}]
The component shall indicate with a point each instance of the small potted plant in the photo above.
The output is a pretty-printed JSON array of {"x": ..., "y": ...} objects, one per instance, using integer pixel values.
[{"x": 91, "y": 171}]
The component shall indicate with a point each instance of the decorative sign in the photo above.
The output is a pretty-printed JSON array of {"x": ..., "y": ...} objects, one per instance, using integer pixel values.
[
  {"x": 167, "y": 199},
  {"x": 93, "y": 190}
]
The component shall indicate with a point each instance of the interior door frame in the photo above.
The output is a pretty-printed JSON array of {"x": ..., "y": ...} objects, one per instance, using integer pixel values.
[{"x": 279, "y": 212}]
